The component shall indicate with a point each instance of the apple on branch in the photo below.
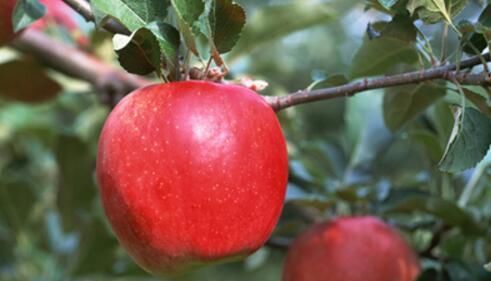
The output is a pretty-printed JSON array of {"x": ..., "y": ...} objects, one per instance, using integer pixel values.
[{"x": 192, "y": 173}]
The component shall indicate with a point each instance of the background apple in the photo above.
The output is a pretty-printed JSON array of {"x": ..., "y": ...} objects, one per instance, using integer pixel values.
[
  {"x": 191, "y": 172},
  {"x": 6, "y": 28},
  {"x": 351, "y": 249}
]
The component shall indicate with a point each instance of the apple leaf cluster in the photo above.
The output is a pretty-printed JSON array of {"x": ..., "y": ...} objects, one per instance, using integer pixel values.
[
  {"x": 399, "y": 45},
  {"x": 208, "y": 28}
]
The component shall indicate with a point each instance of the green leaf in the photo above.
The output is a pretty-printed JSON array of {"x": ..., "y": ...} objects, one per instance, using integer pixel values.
[
  {"x": 330, "y": 81},
  {"x": 430, "y": 142},
  {"x": 414, "y": 5},
  {"x": 189, "y": 10},
  {"x": 27, "y": 12},
  {"x": 401, "y": 27},
  {"x": 401, "y": 104},
  {"x": 13, "y": 82},
  {"x": 169, "y": 41},
  {"x": 17, "y": 197},
  {"x": 473, "y": 42},
  {"x": 442, "y": 119},
  {"x": 469, "y": 142},
  {"x": 7, "y": 244},
  {"x": 388, "y": 3},
  {"x": 483, "y": 25},
  {"x": 138, "y": 53},
  {"x": 77, "y": 187},
  {"x": 141, "y": 52},
  {"x": 407, "y": 201},
  {"x": 379, "y": 56},
  {"x": 480, "y": 101},
  {"x": 392, "y": 7},
  {"x": 98, "y": 249},
  {"x": 273, "y": 22},
  {"x": 368, "y": 134},
  {"x": 442, "y": 8},
  {"x": 386, "y": 45},
  {"x": 432, "y": 11},
  {"x": 89, "y": 123},
  {"x": 461, "y": 271},
  {"x": 226, "y": 22},
  {"x": 133, "y": 14},
  {"x": 188, "y": 36},
  {"x": 485, "y": 17}
]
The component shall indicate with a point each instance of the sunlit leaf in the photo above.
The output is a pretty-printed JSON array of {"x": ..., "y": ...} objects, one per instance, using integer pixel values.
[
  {"x": 469, "y": 143},
  {"x": 133, "y": 14},
  {"x": 432, "y": 11}
]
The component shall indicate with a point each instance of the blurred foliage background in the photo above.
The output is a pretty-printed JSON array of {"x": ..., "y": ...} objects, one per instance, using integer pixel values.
[{"x": 371, "y": 154}]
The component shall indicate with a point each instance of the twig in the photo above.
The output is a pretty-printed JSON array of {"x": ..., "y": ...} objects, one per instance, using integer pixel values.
[
  {"x": 446, "y": 72},
  {"x": 281, "y": 243},
  {"x": 435, "y": 241}
]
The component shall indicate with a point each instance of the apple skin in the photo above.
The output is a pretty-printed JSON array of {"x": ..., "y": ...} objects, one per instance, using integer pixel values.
[
  {"x": 191, "y": 173},
  {"x": 6, "y": 27},
  {"x": 351, "y": 249}
]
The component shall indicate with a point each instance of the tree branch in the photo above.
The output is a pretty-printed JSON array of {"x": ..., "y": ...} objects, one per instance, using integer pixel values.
[
  {"x": 84, "y": 9},
  {"x": 439, "y": 232},
  {"x": 446, "y": 72},
  {"x": 280, "y": 243},
  {"x": 69, "y": 60},
  {"x": 108, "y": 79},
  {"x": 451, "y": 72}
]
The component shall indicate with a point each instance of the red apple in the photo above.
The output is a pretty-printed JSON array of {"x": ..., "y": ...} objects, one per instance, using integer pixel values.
[
  {"x": 6, "y": 26},
  {"x": 351, "y": 249},
  {"x": 190, "y": 173}
]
